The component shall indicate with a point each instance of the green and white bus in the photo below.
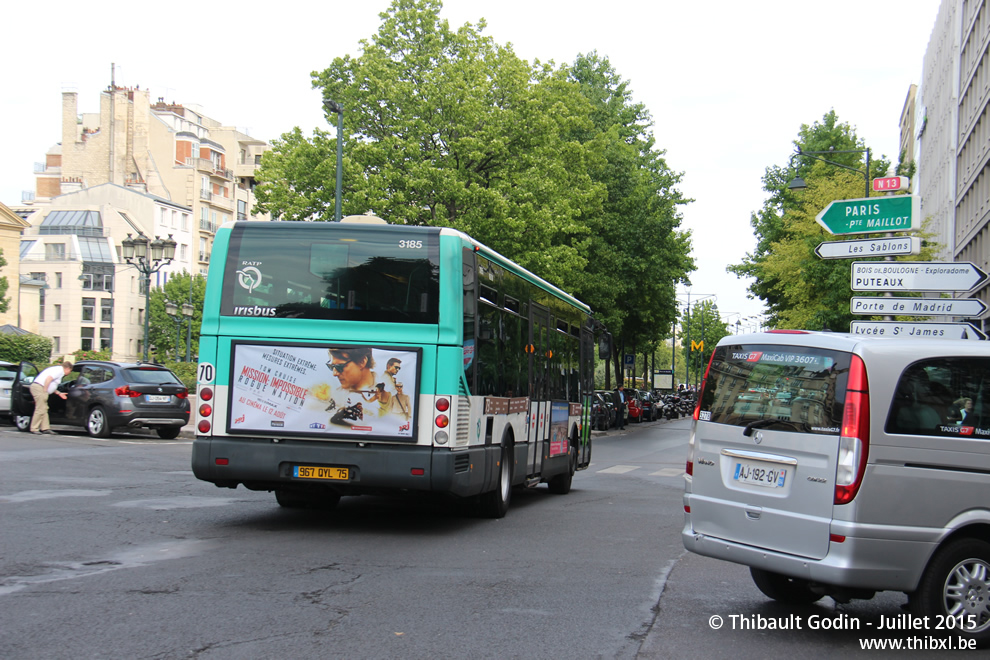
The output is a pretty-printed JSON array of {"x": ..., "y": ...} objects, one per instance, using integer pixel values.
[{"x": 360, "y": 357}]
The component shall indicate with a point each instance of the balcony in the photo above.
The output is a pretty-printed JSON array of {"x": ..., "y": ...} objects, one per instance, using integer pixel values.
[
  {"x": 223, "y": 173},
  {"x": 206, "y": 225},
  {"x": 201, "y": 164},
  {"x": 204, "y": 257},
  {"x": 206, "y": 195}
]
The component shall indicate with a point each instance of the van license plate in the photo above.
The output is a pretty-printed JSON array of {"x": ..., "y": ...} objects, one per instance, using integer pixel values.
[
  {"x": 157, "y": 398},
  {"x": 310, "y": 472},
  {"x": 760, "y": 475}
]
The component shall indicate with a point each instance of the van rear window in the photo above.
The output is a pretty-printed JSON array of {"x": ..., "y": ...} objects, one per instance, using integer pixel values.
[{"x": 798, "y": 388}]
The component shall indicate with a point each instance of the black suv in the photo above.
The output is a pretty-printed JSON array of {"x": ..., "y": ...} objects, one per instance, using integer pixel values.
[{"x": 103, "y": 396}]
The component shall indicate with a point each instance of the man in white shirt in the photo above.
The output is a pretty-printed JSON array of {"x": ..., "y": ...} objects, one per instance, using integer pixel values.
[{"x": 44, "y": 384}]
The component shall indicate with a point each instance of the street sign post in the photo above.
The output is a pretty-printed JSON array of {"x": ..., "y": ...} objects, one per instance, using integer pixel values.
[
  {"x": 964, "y": 307},
  {"x": 917, "y": 330},
  {"x": 870, "y": 247},
  {"x": 915, "y": 276},
  {"x": 871, "y": 215}
]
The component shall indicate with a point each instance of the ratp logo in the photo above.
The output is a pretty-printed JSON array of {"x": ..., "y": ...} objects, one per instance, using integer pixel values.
[{"x": 249, "y": 278}]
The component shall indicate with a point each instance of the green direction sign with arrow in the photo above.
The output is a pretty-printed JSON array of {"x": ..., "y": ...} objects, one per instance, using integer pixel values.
[{"x": 872, "y": 215}]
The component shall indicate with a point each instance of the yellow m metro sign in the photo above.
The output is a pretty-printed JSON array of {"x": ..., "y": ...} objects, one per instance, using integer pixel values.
[{"x": 700, "y": 345}]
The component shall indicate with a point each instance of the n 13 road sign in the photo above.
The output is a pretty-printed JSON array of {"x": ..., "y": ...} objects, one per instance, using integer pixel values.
[
  {"x": 869, "y": 247},
  {"x": 871, "y": 215},
  {"x": 891, "y": 183},
  {"x": 915, "y": 276},
  {"x": 916, "y": 330},
  {"x": 966, "y": 307}
]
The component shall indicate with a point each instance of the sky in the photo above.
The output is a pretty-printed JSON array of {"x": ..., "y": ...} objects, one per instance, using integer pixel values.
[{"x": 728, "y": 83}]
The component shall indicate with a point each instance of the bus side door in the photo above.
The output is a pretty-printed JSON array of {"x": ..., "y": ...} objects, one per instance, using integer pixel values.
[{"x": 539, "y": 363}]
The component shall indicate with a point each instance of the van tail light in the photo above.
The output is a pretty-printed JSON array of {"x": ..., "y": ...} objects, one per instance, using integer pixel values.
[
  {"x": 689, "y": 468},
  {"x": 701, "y": 391},
  {"x": 854, "y": 443}
]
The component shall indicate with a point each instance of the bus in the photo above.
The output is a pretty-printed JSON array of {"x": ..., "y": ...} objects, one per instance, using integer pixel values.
[{"x": 360, "y": 357}]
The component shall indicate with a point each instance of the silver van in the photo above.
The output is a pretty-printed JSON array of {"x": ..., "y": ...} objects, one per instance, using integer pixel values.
[{"x": 841, "y": 465}]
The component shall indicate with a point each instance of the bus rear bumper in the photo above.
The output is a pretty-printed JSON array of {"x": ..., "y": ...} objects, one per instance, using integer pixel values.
[{"x": 261, "y": 464}]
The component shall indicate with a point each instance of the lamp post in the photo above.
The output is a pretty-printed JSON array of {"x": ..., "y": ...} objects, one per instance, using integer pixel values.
[
  {"x": 333, "y": 106},
  {"x": 136, "y": 253},
  {"x": 173, "y": 310},
  {"x": 797, "y": 183}
]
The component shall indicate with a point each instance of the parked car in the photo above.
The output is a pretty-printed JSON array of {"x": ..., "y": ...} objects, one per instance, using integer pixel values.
[
  {"x": 648, "y": 405},
  {"x": 634, "y": 405},
  {"x": 103, "y": 396},
  {"x": 602, "y": 411},
  {"x": 869, "y": 479},
  {"x": 608, "y": 396},
  {"x": 8, "y": 371}
]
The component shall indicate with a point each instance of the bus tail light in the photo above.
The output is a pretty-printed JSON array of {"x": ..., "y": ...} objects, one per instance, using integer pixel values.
[
  {"x": 854, "y": 442},
  {"x": 203, "y": 426},
  {"x": 206, "y": 394},
  {"x": 205, "y": 410},
  {"x": 443, "y": 405},
  {"x": 442, "y": 421}
]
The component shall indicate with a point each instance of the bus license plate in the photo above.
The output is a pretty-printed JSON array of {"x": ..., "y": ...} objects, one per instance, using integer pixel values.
[
  {"x": 310, "y": 472},
  {"x": 760, "y": 474},
  {"x": 157, "y": 398}
]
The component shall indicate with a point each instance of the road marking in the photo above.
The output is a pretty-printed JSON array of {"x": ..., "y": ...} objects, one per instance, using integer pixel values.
[
  {"x": 619, "y": 469},
  {"x": 668, "y": 472}
]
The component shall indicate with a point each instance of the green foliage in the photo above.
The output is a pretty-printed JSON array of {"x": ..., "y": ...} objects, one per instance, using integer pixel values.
[
  {"x": 554, "y": 167},
  {"x": 799, "y": 289},
  {"x": 186, "y": 372},
  {"x": 4, "y": 285},
  {"x": 32, "y": 348},
  {"x": 640, "y": 255},
  {"x": 90, "y": 355},
  {"x": 164, "y": 333}
]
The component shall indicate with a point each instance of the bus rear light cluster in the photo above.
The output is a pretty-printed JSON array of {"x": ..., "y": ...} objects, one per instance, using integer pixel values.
[{"x": 205, "y": 424}]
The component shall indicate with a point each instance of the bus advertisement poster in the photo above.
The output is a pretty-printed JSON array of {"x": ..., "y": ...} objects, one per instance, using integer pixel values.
[
  {"x": 558, "y": 427},
  {"x": 338, "y": 391}
]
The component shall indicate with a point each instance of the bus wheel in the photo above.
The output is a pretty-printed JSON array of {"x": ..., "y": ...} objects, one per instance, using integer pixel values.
[
  {"x": 494, "y": 504},
  {"x": 293, "y": 499},
  {"x": 561, "y": 484}
]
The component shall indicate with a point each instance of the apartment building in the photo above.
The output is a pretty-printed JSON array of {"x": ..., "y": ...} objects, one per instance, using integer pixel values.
[
  {"x": 90, "y": 298},
  {"x": 172, "y": 151},
  {"x": 954, "y": 133}
]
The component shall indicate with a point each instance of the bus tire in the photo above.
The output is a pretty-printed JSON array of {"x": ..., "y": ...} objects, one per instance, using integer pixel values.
[
  {"x": 561, "y": 484},
  {"x": 495, "y": 503}
]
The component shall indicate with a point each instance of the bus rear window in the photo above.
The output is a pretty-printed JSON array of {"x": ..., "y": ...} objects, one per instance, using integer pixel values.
[
  {"x": 797, "y": 388},
  {"x": 322, "y": 270}
]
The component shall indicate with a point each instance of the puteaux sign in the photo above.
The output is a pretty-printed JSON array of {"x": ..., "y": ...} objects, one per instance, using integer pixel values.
[{"x": 327, "y": 390}]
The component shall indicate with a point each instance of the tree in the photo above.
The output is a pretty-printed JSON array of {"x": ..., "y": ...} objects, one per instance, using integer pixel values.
[
  {"x": 701, "y": 330},
  {"x": 448, "y": 128},
  {"x": 640, "y": 255},
  {"x": 796, "y": 286},
  {"x": 163, "y": 328},
  {"x": 4, "y": 284}
]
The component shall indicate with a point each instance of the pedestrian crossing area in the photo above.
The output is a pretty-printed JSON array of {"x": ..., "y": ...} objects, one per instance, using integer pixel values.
[{"x": 625, "y": 469}]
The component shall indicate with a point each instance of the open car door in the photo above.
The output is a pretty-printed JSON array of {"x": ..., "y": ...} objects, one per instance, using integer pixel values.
[{"x": 21, "y": 401}]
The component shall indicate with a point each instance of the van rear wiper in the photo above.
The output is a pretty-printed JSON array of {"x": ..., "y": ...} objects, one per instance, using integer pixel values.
[{"x": 759, "y": 424}]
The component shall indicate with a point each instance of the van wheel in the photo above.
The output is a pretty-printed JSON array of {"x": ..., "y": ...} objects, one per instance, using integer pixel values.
[
  {"x": 957, "y": 584},
  {"x": 783, "y": 588},
  {"x": 495, "y": 503}
]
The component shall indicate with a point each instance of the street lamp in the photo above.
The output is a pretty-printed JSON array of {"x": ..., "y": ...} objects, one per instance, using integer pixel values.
[
  {"x": 173, "y": 310},
  {"x": 333, "y": 106},
  {"x": 797, "y": 183},
  {"x": 136, "y": 253}
]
